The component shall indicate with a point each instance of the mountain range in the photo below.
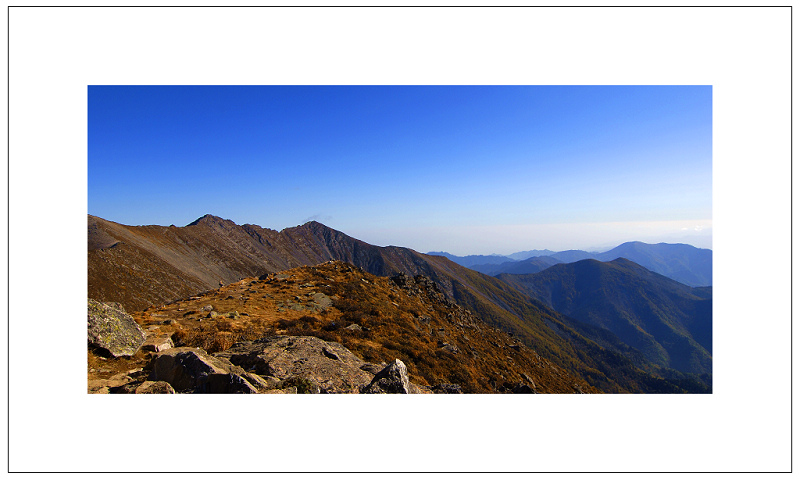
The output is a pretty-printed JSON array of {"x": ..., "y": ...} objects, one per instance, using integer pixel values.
[
  {"x": 681, "y": 262},
  {"x": 147, "y": 266},
  {"x": 667, "y": 321},
  {"x": 472, "y": 260}
]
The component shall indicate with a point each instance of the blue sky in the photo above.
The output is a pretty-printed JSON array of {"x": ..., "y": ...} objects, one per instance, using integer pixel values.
[{"x": 464, "y": 169}]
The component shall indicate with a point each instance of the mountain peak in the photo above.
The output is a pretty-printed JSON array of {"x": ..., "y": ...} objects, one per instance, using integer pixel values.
[
  {"x": 207, "y": 219},
  {"x": 313, "y": 223}
]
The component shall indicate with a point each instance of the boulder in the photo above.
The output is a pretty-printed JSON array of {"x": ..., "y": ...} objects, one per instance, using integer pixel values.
[
  {"x": 112, "y": 331},
  {"x": 194, "y": 370},
  {"x": 373, "y": 368},
  {"x": 393, "y": 379},
  {"x": 158, "y": 343},
  {"x": 447, "y": 389},
  {"x": 154, "y": 387},
  {"x": 329, "y": 366},
  {"x": 116, "y": 383}
]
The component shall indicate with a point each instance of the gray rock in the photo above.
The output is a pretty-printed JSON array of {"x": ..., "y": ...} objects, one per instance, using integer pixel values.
[
  {"x": 330, "y": 366},
  {"x": 322, "y": 301},
  {"x": 447, "y": 389},
  {"x": 158, "y": 343},
  {"x": 194, "y": 370},
  {"x": 373, "y": 368},
  {"x": 449, "y": 347},
  {"x": 331, "y": 354},
  {"x": 155, "y": 387},
  {"x": 393, "y": 379},
  {"x": 112, "y": 330}
]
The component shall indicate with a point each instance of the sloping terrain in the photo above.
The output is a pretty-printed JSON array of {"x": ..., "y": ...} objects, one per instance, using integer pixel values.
[
  {"x": 682, "y": 262},
  {"x": 377, "y": 318},
  {"x": 667, "y": 321},
  {"x": 198, "y": 257}
]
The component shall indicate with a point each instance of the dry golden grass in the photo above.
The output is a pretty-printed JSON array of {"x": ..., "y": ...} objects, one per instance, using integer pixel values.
[{"x": 371, "y": 316}]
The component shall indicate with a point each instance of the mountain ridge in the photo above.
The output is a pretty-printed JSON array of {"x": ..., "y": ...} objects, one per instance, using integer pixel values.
[
  {"x": 178, "y": 262},
  {"x": 666, "y": 320},
  {"x": 681, "y": 262}
]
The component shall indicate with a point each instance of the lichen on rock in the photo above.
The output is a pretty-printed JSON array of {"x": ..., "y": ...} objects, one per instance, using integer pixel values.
[{"x": 111, "y": 330}]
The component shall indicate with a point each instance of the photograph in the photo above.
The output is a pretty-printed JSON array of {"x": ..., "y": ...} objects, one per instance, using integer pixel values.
[{"x": 399, "y": 239}]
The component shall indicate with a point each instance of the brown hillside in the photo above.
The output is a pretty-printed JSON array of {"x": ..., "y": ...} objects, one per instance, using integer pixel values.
[
  {"x": 377, "y": 318},
  {"x": 143, "y": 266}
]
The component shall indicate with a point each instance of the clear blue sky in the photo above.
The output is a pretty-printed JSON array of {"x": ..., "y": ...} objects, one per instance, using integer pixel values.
[{"x": 464, "y": 169}]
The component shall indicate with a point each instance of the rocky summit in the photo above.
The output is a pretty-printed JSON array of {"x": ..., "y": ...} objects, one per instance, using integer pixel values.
[{"x": 326, "y": 329}]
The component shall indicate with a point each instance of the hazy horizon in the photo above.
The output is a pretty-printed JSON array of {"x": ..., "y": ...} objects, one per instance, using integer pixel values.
[
  {"x": 462, "y": 169},
  {"x": 697, "y": 237}
]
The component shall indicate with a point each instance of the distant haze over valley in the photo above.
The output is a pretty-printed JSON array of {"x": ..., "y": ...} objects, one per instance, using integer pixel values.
[
  {"x": 681, "y": 262},
  {"x": 515, "y": 240}
]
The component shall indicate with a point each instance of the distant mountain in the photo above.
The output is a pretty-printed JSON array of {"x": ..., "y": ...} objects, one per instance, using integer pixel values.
[
  {"x": 472, "y": 260},
  {"x": 141, "y": 266},
  {"x": 526, "y": 266},
  {"x": 521, "y": 255},
  {"x": 667, "y": 321},
  {"x": 681, "y": 262},
  {"x": 572, "y": 255}
]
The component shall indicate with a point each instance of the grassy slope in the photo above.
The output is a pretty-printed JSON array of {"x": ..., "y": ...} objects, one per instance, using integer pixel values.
[
  {"x": 214, "y": 247},
  {"x": 552, "y": 335}
]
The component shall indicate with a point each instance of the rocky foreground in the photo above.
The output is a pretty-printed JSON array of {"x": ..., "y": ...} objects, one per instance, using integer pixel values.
[
  {"x": 331, "y": 328},
  {"x": 277, "y": 364}
]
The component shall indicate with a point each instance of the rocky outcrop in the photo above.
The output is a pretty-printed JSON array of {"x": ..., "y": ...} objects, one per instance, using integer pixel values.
[
  {"x": 393, "y": 379},
  {"x": 446, "y": 389},
  {"x": 154, "y": 387},
  {"x": 421, "y": 285},
  {"x": 158, "y": 343},
  {"x": 328, "y": 366},
  {"x": 112, "y": 331},
  {"x": 113, "y": 384},
  {"x": 194, "y": 370}
]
